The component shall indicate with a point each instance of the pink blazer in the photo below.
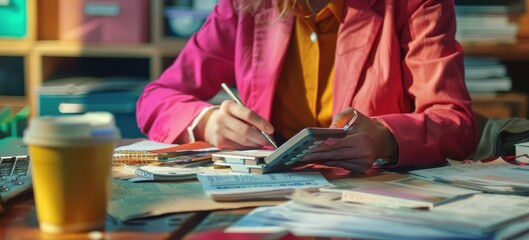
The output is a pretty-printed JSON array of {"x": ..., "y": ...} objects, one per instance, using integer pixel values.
[{"x": 396, "y": 60}]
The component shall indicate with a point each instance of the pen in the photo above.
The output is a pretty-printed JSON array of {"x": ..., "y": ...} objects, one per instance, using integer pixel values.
[{"x": 237, "y": 100}]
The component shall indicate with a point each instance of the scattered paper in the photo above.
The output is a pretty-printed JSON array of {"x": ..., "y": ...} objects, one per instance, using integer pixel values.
[
  {"x": 137, "y": 200},
  {"x": 309, "y": 215},
  {"x": 497, "y": 176}
]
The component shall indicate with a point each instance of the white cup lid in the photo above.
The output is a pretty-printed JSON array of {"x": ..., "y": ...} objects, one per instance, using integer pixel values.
[{"x": 69, "y": 130}]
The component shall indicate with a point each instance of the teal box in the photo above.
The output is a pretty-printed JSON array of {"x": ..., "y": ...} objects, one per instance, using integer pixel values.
[
  {"x": 120, "y": 103},
  {"x": 13, "y": 18}
]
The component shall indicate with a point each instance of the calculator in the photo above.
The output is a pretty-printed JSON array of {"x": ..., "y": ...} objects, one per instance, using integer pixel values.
[
  {"x": 291, "y": 152},
  {"x": 288, "y": 155}
]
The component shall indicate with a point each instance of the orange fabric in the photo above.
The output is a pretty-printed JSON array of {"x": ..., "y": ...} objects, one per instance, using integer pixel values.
[{"x": 304, "y": 91}]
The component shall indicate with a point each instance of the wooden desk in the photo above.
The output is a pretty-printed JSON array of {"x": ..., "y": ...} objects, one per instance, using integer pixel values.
[{"x": 20, "y": 222}]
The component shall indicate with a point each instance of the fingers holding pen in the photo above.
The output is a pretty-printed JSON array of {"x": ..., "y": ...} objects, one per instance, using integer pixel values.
[
  {"x": 221, "y": 130},
  {"x": 250, "y": 117},
  {"x": 245, "y": 124}
]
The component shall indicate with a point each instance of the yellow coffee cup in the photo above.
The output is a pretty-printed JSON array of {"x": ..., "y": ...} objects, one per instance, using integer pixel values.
[{"x": 71, "y": 160}]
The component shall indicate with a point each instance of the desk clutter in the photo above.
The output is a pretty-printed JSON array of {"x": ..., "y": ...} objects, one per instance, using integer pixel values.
[
  {"x": 465, "y": 200},
  {"x": 476, "y": 200}
]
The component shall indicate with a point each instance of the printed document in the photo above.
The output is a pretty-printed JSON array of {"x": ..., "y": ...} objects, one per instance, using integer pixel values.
[{"x": 247, "y": 186}]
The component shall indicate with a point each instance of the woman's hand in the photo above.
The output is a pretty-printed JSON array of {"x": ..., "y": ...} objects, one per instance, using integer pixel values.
[
  {"x": 233, "y": 126},
  {"x": 366, "y": 141}
]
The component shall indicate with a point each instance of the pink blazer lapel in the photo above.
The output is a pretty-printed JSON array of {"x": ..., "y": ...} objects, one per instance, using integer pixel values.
[
  {"x": 356, "y": 38},
  {"x": 272, "y": 35}
]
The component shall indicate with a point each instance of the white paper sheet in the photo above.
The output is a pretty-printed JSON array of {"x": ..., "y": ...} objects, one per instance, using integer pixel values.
[{"x": 222, "y": 183}]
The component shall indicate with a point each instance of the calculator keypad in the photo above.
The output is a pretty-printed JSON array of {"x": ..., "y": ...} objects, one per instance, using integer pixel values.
[{"x": 298, "y": 146}]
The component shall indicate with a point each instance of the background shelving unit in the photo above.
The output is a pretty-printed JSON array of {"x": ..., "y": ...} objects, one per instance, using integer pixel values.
[
  {"x": 45, "y": 59},
  {"x": 20, "y": 48},
  {"x": 515, "y": 56}
]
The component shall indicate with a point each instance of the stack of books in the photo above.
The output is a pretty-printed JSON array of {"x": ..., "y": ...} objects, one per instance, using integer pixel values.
[
  {"x": 486, "y": 75},
  {"x": 488, "y": 21}
]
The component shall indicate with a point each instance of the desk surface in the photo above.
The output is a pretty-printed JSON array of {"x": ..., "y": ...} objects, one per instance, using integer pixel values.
[{"x": 19, "y": 221}]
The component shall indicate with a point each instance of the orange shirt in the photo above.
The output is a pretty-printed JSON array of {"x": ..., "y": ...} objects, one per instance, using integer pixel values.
[{"x": 304, "y": 92}]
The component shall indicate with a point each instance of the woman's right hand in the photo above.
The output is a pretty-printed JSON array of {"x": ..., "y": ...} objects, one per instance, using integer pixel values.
[{"x": 233, "y": 126}]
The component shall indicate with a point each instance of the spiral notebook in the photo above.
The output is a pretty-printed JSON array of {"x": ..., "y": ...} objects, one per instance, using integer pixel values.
[
  {"x": 138, "y": 152},
  {"x": 148, "y": 151}
]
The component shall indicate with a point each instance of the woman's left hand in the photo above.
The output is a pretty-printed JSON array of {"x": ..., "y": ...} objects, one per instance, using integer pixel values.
[{"x": 366, "y": 141}]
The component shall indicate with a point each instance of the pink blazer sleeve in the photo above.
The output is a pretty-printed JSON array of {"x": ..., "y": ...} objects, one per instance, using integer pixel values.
[
  {"x": 443, "y": 124},
  {"x": 168, "y": 105}
]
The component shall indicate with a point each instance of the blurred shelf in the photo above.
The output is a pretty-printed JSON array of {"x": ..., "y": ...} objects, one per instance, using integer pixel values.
[
  {"x": 10, "y": 47},
  {"x": 15, "y": 102},
  {"x": 502, "y": 105},
  {"x": 505, "y": 51},
  {"x": 76, "y": 49},
  {"x": 171, "y": 47}
]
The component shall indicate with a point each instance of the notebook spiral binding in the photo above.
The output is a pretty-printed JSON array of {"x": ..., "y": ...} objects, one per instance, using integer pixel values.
[{"x": 133, "y": 156}]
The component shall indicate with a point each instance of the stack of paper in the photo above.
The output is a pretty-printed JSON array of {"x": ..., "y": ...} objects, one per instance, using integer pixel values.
[
  {"x": 486, "y": 75},
  {"x": 497, "y": 176},
  {"x": 486, "y": 21},
  {"x": 477, "y": 217}
]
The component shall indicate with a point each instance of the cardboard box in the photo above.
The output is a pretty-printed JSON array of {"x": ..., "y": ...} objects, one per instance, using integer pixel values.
[{"x": 96, "y": 21}]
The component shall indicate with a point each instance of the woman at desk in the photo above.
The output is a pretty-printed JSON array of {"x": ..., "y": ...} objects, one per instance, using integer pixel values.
[{"x": 297, "y": 64}]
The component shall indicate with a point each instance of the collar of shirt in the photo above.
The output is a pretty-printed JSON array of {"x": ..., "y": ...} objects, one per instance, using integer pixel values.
[
  {"x": 335, "y": 7},
  {"x": 304, "y": 91}
]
